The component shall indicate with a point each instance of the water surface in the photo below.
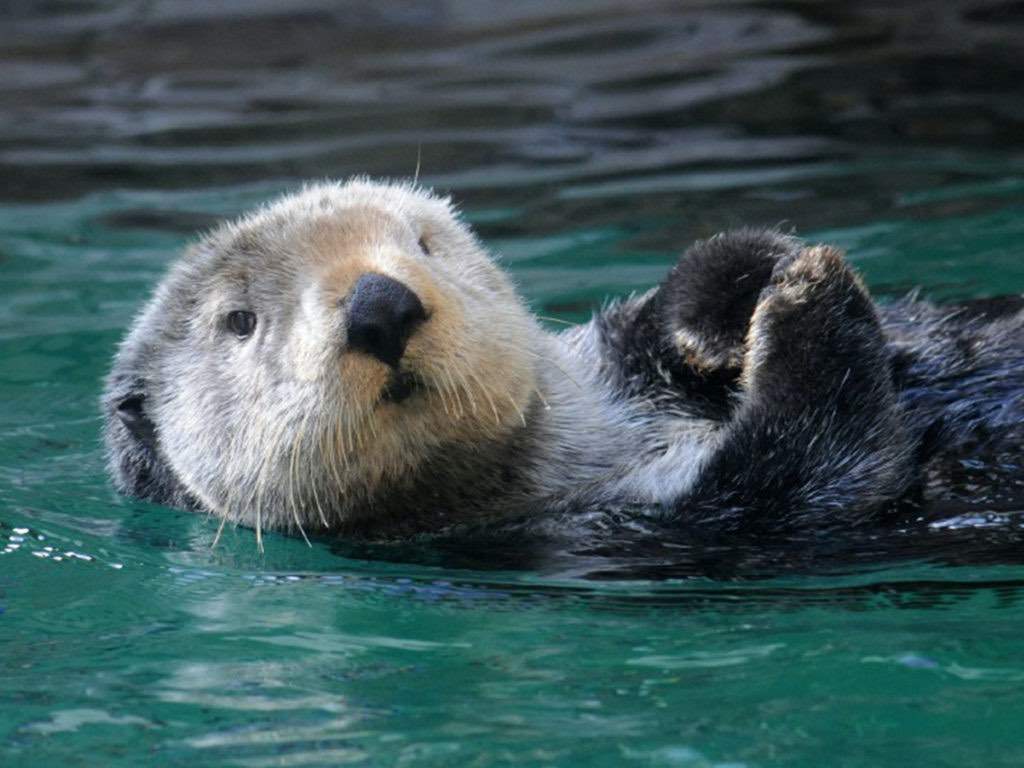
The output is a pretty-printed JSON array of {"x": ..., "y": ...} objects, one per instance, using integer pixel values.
[{"x": 587, "y": 143}]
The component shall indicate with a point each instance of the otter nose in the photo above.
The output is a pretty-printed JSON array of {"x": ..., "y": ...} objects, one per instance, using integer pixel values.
[{"x": 382, "y": 315}]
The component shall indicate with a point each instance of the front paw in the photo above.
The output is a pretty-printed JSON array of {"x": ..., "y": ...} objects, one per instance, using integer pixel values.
[
  {"x": 706, "y": 302},
  {"x": 815, "y": 333}
]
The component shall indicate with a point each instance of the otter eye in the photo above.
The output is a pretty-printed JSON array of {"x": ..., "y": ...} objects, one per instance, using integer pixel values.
[
  {"x": 424, "y": 247},
  {"x": 241, "y": 323}
]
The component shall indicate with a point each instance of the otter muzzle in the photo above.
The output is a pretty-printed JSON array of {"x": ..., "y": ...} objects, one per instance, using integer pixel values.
[{"x": 382, "y": 314}]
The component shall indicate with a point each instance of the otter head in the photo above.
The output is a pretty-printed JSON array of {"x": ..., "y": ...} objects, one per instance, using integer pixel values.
[{"x": 298, "y": 363}]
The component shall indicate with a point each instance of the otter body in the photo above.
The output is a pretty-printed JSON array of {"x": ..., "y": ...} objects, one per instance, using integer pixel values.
[{"x": 350, "y": 360}]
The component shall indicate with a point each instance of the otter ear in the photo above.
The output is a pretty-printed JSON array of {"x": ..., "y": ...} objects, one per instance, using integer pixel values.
[{"x": 131, "y": 411}]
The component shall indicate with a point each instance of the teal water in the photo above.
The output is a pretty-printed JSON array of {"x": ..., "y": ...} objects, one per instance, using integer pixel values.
[{"x": 587, "y": 144}]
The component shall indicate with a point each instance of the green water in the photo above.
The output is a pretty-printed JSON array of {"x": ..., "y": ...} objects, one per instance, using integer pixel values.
[{"x": 587, "y": 144}]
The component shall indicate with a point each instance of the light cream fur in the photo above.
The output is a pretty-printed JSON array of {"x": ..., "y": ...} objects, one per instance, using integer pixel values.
[{"x": 294, "y": 263}]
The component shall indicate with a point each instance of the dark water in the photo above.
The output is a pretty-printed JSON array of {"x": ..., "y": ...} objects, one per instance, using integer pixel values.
[{"x": 587, "y": 142}]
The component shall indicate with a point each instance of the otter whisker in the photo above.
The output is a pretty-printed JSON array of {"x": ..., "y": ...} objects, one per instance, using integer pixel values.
[
  {"x": 302, "y": 434},
  {"x": 302, "y": 533},
  {"x": 543, "y": 400},
  {"x": 260, "y": 491},
  {"x": 549, "y": 361},
  {"x": 259, "y": 530},
  {"x": 459, "y": 389},
  {"x": 348, "y": 442},
  {"x": 292, "y": 476},
  {"x": 228, "y": 504},
  {"x": 464, "y": 374},
  {"x": 237, "y": 513},
  {"x": 443, "y": 392},
  {"x": 455, "y": 392},
  {"x": 319, "y": 509},
  {"x": 358, "y": 433},
  {"x": 556, "y": 320},
  {"x": 231, "y": 510},
  {"x": 490, "y": 401},
  {"x": 313, "y": 483},
  {"x": 293, "y": 472},
  {"x": 259, "y": 519},
  {"x": 220, "y": 530},
  {"x": 337, "y": 457},
  {"x": 522, "y": 417},
  {"x": 373, "y": 430},
  {"x": 472, "y": 375}
]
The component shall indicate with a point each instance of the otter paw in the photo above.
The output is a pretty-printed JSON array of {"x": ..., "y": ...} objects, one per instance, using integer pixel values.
[
  {"x": 706, "y": 302},
  {"x": 814, "y": 331}
]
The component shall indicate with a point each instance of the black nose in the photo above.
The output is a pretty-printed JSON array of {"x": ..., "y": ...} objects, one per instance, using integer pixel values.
[{"x": 382, "y": 315}]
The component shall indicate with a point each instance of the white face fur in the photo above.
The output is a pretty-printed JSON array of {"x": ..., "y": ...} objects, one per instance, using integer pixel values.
[{"x": 283, "y": 423}]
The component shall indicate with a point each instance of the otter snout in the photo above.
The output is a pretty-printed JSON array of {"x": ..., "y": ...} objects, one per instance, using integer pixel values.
[{"x": 382, "y": 314}]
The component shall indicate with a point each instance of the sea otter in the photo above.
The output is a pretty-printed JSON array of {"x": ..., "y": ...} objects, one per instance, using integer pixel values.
[{"x": 349, "y": 359}]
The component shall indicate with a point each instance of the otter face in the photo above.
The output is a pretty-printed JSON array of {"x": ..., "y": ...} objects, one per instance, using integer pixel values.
[{"x": 300, "y": 359}]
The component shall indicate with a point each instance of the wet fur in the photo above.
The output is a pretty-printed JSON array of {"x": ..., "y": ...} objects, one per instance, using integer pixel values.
[{"x": 757, "y": 388}]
